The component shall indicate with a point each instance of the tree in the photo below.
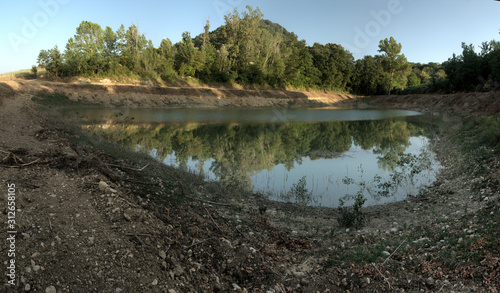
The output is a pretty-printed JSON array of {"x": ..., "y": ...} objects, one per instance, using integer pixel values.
[
  {"x": 369, "y": 77},
  {"x": 89, "y": 42},
  {"x": 165, "y": 66},
  {"x": 394, "y": 63},
  {"x": 51, "y": 60},
  {"x": 185, "y": 57}
]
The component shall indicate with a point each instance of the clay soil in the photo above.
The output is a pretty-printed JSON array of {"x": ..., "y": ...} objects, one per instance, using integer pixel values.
[{"x": 88, "y": 220}]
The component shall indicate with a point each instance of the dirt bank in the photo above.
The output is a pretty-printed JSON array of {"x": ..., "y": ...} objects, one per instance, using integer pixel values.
[
  {"x": 149, "y": 96},
  {"x": 90, "y": 221},
  {"x": 471, "y": 103}
]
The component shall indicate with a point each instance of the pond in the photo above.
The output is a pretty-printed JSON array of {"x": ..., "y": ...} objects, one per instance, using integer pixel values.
[{"x": 306, "y": 156}]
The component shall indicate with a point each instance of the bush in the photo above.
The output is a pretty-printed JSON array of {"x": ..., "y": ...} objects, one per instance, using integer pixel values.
[{"x": 352, "y": 216}]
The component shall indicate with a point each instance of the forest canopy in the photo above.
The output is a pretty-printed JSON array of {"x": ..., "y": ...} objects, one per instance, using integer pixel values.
[{"x": 252, "y": 51}]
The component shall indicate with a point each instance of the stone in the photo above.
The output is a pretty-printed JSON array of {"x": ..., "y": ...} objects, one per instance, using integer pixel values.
[
  {"x": 163, "y": 254},
  {"x": 103, "y": 186},
  {"x": 50, "y": 289},
  {"x": 155, "y": 282},
  {"x": 386, "y": 253},
  {"x": 429, "y": 281},
  {"x": 344, "y": 282},
  {"x": 27, "y": 287},
  {"x": 421, "y": 240},
  {"x": 36, "y": 268}
]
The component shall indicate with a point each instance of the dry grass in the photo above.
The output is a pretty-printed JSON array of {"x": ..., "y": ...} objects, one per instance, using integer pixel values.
[{"x": 20, "y": 74}]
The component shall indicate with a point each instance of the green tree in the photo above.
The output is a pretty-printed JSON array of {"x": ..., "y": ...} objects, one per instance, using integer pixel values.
[
  {"x": 52, "y": 61},
  {"x": 394, "y": 63},
  {"x": 185, "y": 58},
  {"x": 89, "y": 42},
  {"x": 165, "y": 66},
  {"x": 369, "y": 77}
]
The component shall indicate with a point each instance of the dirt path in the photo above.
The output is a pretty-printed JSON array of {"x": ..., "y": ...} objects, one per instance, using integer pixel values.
[{"x": 76, "y": 234}]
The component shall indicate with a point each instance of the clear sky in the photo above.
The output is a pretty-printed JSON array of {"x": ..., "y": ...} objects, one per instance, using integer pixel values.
[{"x": 429, "y": 30}]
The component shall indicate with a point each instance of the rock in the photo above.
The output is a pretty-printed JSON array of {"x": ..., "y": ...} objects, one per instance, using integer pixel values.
[
  {"x": 236, "y": 287},
  {"x": 27, "y": 287},
  {"x": 118, "y": 290},
  {"x": 386, "y": 253},
  {"x": 171, "y": 291},
  {"x": 50, "y": 289},
  {"x": 429, "y": 281},
  {"x": 131, "y": 214},
  {"x": 162, "y": 254},
  {"x": 155, "y": 282},
  {"x": 368, "y": 280},
  {"x": 36, "y": 268},
  {"x": 394, "y": 230},
  {"x": 344, "y": 282},
  {"x": 103, "y": 186},
  {"x": 421, "y": 240},
  {"x": 178, "y": 270},
  {"x": 127, "y": 216}
]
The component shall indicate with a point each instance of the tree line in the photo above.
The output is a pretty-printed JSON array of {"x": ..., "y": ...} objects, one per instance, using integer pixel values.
[{"x": 250, "y": 50}]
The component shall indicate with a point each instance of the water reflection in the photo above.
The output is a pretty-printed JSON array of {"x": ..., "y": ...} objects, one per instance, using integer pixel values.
[{"x": 272, "y": 157}]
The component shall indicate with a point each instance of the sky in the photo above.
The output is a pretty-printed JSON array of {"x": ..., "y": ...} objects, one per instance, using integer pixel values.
[{"x": 429, "y": 30}]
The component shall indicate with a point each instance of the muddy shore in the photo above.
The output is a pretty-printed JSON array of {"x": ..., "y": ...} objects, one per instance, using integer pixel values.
[{"x": 89, "y": 220}]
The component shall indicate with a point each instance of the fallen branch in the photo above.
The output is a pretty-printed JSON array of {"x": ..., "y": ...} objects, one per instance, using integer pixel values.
[
  {"x": 208, "y": 202},
  {"x": 142, "y": 182},
  {"x": 212, "y": 219},
  {"x": 385, "y": 279},
  {"x": 128, "y": 168},
  {"x": 19, "y": 165},
  {"x": 393, "y": 252},
  {"x": 199, "y": 242},
  {"x": 241, "y": 233}
]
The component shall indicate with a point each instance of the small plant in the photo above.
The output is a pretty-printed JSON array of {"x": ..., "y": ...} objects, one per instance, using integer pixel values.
[
  {"x": 352, "y": 216},
  {"x": 298, "y": 193},
  {"x": 34, "y": 71}
]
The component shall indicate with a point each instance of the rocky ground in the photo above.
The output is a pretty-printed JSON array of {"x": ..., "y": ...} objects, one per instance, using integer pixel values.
[{"x": 89, "y": 220}]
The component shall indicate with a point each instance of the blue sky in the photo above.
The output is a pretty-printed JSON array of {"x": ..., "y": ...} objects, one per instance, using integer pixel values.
[{"x": 429, "y": 30}]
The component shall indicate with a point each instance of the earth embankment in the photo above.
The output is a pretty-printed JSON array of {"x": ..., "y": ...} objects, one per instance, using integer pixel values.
[{"x": 144, "y": 96}]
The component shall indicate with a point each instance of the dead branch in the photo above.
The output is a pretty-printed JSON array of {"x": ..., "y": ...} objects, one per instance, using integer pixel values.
[
  {"x": 208, "y": 202},
  {"x": 212, "y": 219},
  {"x": 385, "y": 279},
  {"x": 393, "y": 252},
  {"x": 128, "y": 168},
  {"x": 199, "y": 242}
]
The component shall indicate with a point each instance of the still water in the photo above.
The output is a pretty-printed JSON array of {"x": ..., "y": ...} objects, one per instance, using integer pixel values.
[{"x": 306, "y": 156}]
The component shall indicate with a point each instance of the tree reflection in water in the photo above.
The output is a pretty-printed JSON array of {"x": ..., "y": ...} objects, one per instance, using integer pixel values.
[{"x": 235, "y": 152}]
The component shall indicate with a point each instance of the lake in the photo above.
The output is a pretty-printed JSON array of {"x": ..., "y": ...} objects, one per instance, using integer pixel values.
[{"x": 306, "y": 156}]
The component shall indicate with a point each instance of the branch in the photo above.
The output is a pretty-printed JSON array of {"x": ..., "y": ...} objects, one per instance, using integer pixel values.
[{"x": 393, "y": 252}]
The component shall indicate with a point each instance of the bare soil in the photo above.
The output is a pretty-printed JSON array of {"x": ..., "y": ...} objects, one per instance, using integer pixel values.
[{"x": 85, "y": 224}]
